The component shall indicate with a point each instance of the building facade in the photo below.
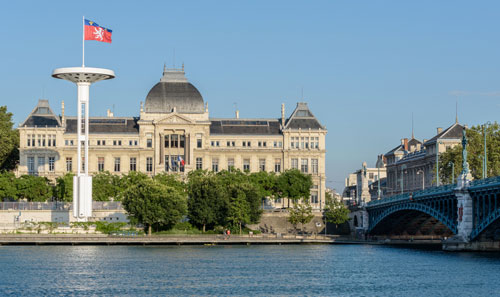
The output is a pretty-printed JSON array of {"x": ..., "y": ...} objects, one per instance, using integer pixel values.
[
  {"x": 411, "y": 165},
  {"x": 174, "y": 134},
  {"x": 361, "y": 186}
]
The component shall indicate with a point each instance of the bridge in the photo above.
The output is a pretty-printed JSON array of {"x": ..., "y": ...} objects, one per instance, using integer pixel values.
[{"x": 469, "y": 210}]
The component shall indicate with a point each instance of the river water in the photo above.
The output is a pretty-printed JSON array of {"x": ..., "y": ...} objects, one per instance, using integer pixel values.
[{"x": 304, "y": 270}]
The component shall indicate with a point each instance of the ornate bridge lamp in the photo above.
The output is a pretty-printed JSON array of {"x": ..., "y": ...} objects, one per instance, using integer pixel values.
[
  {"x": 420, "y": 171},
  {"x": 83, "y": 77}
]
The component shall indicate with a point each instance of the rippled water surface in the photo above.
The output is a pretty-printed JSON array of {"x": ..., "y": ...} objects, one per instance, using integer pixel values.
[{"x": 305, "y": 270}]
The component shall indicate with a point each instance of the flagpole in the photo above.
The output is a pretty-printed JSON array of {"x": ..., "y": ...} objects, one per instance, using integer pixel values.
[{"x": 83, "y": 41}]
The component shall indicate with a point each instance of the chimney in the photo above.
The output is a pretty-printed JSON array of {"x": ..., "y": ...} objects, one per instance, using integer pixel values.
[
  {"x": 109, "y": 113},
  {"x": 283, "y": 114},
  {"x": 405, "y": 143},
  {"x": 439, "y": 130},
  {"x": 237, "y": 114},
  {"x": 402, "y": 141}
]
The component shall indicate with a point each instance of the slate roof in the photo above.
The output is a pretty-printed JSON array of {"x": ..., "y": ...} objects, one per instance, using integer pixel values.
[
  {"x": 42, "y": 116},
  {"x": 106, "y": 125},
  {"x": 452, "y": 132},
  {"x": 302, "y": 118},
  {"x": 174, "y": 90},
  {"x": 391, "y": 152},
  {"x": 245, "y": 126}
]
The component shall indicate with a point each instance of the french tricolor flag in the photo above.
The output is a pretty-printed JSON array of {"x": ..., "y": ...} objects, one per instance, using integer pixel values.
[{"x": 181, "y": 160}]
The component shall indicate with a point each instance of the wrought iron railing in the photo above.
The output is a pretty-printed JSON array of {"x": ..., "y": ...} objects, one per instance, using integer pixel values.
[{"x": 61, "y": 206}]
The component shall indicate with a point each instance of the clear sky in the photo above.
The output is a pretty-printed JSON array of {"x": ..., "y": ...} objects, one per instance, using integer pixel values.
[{"x": 363, "y": 66}]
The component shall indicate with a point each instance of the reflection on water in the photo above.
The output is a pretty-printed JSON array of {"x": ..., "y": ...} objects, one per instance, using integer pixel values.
[{"x": 245, "y": 270}]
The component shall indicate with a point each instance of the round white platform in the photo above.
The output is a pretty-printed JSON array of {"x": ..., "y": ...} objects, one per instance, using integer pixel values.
[{"x": 83, "y": 74}]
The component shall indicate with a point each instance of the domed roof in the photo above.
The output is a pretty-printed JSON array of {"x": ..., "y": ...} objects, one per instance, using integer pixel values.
[{"x": 174, "y": 91}]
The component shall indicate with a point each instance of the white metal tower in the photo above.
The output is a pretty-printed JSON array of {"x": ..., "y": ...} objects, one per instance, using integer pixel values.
[{"x": 83, "y": 77}]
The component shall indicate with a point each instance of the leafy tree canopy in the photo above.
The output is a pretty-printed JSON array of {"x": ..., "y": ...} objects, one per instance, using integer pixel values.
[
  {"x": 335, "y": 211},
  {"x": 9, "y": 141}
]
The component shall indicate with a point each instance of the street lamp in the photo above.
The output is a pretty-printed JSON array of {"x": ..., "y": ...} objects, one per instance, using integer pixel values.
[
  {"x": 402, "y": 177},
  {"x": 485, "y": 155},
  {"x": 437, "y": 162},
  {"x": 420, "y": 171},
  {"x": 452, "y": 171}
]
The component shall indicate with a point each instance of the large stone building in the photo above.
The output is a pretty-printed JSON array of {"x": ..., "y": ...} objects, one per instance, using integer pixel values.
[
  {"x": 411, "y": 165},
  {"x": 361, "y": 186},
  {"x": 174, "y": 133}
]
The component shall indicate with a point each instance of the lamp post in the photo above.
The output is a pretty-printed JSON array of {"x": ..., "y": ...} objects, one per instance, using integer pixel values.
[
  {"x": 452, "y": 171},
  {"x": 485, "y": 155},
  {"x": 437, "y": 162},
  {"x": 402, "y": 178},
  {"x": 420, "y": 171}
]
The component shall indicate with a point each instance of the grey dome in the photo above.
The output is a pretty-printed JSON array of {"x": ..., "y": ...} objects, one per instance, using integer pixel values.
[{"x": 174, "y": 90}]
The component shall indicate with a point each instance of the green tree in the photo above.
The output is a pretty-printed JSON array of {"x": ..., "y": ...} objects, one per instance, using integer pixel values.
[
  {"x": 294, "y": 185},
  {"x": 475, "y": 151},
  {"x": 171, "y": 180},
  {"x": 300, "y": 213},
  {"x": 335, "y": 211},
  {"x": 105, "y": 186},
  {"x": 208, "y": 200},
  {"x": 239, "y": 208},
  {"x": 63, "y": 190},
  {"x": 8, "y": 185},
  {"x": 9, "y": 141},
  {"x": 151, "y": 203},
  {"x": 34, "y": 188}
]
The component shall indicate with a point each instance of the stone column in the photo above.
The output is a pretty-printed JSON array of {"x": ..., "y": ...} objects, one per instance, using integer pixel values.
[{"x": 464, "y": 215}]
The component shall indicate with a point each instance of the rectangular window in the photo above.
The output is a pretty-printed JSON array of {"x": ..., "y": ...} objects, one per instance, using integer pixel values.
[
  {"x": 316, "y": 142},
  {"x": 246, "y": 165},
  {"x": 167, "y": 141},
  {"x": 69, "y": 164},
  {"x": 292, "y": 142},
  {"x": 264, "y": 143},
  {"x": 41, "y": 164},
  {"x": 262, "y": 164},
  {"x": 230, "y": 164},
  {"x": 296, "y": 142},
  {"x": 104, "y": 142},
  {"x": 149, "y": 164},
  {"x": 31, "y": 165},
  {"x": 182, "y": 140},
  {"x": 307, "y": 142},
  {"x": 175, "y": 140},
  {"x": 39, "y": 140},
  {"x": 302, "y": 142},
  {"x": 275, "y": 144},
  {"x": 52, "y": 162},
  {"x": 228, "y": 143},
  {"x": 280, "y": 144},
  {"x": 98, "y": 142},
  {"x": 133, "y": 164},
  {"x": 295, "y": 163},
  {"x": 314, "y": 197},
  {"x": 49, "y": 140},
  {"x": 249, "y": 144},
  {"x": 198, "y": 143},
  {"x": 100, "y": 163},
  {"x": 28, "y": 140},
  {"x": 277, "y": 165},
  {"x": 117, "y": 164},
  {"x": 370, "y": 176},
  {"x": 43, "y": 140},
  {"x": 314, "y": 165},
  {"x": 149, "y": 142},
  {"x": 244, "y": 143},
  {"x": 115, "y": 142},
  {"x": 136, "y": 142},
  {"x": 259, "y": 144},
  {"x": 304, "y": 166},
  {"x": 130, "y": 142},
  {"x": 199, "y": 163},
  {"x": 215, "y": 164},
  {"x": 233, "y": 143},
  {"x": 167, "y": 164}
]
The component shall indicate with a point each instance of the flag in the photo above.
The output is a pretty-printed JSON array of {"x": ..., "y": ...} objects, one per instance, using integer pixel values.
[
  {"x": 181, "y": 161},
  {"x": 95, "y": 32}
]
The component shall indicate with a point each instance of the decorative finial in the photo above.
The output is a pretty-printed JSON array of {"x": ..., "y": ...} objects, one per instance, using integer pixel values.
[
  {"x": 182, "y": 66},
  {"x": 164, "y": 67}
]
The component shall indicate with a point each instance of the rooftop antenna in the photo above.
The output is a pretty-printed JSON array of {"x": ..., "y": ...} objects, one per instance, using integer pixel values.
[{"x": 412, "y": 135}]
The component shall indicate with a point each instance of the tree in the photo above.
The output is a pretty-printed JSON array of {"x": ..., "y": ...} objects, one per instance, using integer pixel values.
[
  {"x": 149, "y": 202},
  {"x": 63, "y": 190},
  {"x": 34, "y": 188},
  {"x": 475, "y": 148},
  {"x": 104, "y": 186},
  {"x": 8, "y": 186},
  {"x": 293, "y": 185},
  {"x": 335, "y": 211},
  {"x": 9, "y": 140},
  {"x": 300, "y": 213},
  {"x": 208, "y": 200},
  {"x": 239, "y": 208},
  {"x": 171, "y": 180}
]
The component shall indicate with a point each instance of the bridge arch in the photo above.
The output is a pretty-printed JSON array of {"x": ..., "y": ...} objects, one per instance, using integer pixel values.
[{"x": 376, "y": 217}]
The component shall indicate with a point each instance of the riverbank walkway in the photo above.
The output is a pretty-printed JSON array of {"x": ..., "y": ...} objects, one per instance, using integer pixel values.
[{"x": 98, "y": 239}]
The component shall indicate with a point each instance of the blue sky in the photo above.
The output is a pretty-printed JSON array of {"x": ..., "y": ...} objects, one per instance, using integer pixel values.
[{"x": 364, "y": 66}]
